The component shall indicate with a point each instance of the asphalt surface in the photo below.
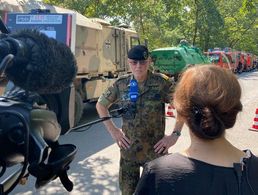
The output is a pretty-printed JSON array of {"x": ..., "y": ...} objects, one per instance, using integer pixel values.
[{"x": 95, "y": 168}]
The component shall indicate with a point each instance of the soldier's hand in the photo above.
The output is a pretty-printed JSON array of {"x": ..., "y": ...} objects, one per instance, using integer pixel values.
[
  {"x": 165, "y": 143},
  {"x": 120, "y": 138}
]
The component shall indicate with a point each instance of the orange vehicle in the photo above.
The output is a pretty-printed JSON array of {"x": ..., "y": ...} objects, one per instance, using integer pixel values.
[
  {"x": 233, "y": 57},
  {"x": 250, "y": 61},
  {"x": 219, "y": 57},
  {"x": 246, "y": 62},
  {"x": 255, "y": 61},
  {"x": 237, "y": 61}
]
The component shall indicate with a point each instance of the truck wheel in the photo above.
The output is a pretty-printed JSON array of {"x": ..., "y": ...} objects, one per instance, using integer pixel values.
[{"x": 78, "y": 108}]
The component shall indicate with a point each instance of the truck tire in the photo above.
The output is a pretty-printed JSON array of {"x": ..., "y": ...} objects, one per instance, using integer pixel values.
[
  {"x": 79, "y": 106},
  {"x": 53, "y": 102}
]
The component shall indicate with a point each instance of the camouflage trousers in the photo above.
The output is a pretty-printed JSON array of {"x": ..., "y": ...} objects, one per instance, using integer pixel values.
[{"x": 129, "y": 175}]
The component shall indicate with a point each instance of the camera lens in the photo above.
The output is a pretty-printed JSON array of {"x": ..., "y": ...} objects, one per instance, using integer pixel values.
[{"x": 16, "y": 135}]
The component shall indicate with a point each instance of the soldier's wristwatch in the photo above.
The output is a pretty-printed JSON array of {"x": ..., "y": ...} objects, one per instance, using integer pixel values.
[{"x": 176, "y": 133}]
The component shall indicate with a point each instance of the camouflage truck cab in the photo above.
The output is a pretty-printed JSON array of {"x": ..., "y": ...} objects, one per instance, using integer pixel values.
[{"x": 101, "y": 53}]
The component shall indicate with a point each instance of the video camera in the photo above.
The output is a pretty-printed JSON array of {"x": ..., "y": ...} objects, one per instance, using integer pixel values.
[{"x": 37, "y": 68}]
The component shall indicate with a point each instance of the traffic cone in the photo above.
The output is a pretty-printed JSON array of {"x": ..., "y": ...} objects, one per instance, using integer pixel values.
[
  {"x": 255, "y": 123},
  {"x": 170, "y": 111}
]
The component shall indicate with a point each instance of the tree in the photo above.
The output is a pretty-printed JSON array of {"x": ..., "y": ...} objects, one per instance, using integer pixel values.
[{"x": 204, "y": 23}]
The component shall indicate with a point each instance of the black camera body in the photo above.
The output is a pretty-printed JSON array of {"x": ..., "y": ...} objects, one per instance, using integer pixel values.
[
  {"x": 14, "y": 123},
  {"x": 29, "y": 136},
  {"x": 40, "y": 70}
]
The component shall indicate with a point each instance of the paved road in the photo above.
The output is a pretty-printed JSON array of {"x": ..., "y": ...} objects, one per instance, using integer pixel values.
[{"x": 95, "y": 168}]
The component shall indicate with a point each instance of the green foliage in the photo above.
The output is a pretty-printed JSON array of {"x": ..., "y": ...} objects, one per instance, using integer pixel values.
[{"x": 204, "y": 23}]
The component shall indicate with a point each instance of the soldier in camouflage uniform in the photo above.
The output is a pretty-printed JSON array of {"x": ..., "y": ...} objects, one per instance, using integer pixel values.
[{"x": 142, "y": 137}]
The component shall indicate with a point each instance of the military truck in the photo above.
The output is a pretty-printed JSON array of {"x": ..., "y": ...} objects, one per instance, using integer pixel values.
[
  {"x": 173, "y": 60},
  {"x": 100, "y": 48}
]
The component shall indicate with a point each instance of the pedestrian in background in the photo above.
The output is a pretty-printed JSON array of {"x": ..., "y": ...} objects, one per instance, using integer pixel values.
[
  {"x": 207, "y": 99},
  {"x": 142, "y": 136}
]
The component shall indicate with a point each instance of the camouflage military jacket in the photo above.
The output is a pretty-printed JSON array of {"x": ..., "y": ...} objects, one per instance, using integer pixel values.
[{"x": 148, "y": 125}]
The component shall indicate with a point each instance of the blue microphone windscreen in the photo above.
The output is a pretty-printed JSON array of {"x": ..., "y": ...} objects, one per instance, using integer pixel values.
[{"x": 133, "y": 93}]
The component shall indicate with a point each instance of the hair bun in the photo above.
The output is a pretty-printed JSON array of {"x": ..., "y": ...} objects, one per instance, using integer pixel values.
[{"x": 206, "y": 122}]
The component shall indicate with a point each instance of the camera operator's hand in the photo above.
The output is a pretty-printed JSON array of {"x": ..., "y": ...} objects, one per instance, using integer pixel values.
[{"x": 120, "y": 138}]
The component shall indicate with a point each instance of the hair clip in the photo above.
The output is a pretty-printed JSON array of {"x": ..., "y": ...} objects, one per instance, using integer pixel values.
[{"x": 198, "y": 114}]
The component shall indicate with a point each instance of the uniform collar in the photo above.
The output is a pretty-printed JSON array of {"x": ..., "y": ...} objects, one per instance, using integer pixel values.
[{"x": 147, "y": 83}]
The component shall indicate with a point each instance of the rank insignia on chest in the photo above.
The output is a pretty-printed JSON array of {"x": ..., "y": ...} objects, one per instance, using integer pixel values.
[
  {"x": 125, "y": 97},
  {"x": 107, "y": 93}
]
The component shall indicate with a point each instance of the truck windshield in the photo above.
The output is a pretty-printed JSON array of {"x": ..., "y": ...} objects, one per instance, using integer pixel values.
[{"x": 214, "y": 57}]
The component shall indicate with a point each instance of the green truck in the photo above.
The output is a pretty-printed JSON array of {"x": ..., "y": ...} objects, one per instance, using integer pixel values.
[{"x": 173, "y": 60}]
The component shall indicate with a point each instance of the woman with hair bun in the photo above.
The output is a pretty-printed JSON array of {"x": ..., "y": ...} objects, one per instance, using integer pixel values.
[{"x": 207, "y": 99}]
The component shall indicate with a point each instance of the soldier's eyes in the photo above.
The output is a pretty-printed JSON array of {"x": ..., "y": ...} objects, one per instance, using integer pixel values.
[{"x": 135, "y": 62}]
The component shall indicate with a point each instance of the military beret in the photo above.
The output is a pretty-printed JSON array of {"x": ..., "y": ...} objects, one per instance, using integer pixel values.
[{"x": 138, "y": 52}]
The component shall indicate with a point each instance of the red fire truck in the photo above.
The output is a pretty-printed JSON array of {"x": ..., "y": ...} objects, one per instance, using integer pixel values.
[
  {"x": 221, "y": 58},
  {"x": 236, "y": 61}
]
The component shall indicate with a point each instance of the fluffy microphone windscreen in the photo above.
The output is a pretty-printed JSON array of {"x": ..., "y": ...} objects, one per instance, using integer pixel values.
[{"x": 41, "y": 64}]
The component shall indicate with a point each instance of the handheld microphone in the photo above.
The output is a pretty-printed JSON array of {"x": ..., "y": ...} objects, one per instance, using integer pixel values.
[
  {"x": 130, "y": 110},
  {"x": 133, "y": 92},
  {"x": 41, "y": 64}
]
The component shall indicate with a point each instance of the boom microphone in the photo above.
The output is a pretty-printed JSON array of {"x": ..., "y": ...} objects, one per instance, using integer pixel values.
[{"x": 41, "y": 64}]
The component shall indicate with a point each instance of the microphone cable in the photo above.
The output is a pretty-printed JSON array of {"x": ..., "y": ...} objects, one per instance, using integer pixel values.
[{"x": 89, "y": 124}]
